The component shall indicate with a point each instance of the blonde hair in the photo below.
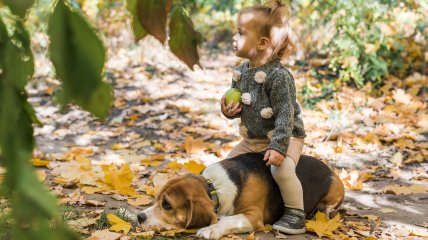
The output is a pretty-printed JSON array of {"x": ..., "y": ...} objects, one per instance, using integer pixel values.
[{"x": 275, "y": 26}]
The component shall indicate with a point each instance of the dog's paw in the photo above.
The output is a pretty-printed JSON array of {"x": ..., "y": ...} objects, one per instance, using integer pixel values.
[{"x": 211, "y": 232}]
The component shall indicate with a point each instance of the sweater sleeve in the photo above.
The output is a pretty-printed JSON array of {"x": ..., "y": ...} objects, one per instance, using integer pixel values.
[{"x": 282, "y": 98}]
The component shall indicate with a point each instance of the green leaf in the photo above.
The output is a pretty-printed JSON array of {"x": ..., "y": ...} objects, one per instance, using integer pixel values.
[
  {"x": 19, "y": 7},
  {"x": 152, "y": 15},
  {"x": 139, "y": 31},
  {"x": 78, "y": 56},
  {"x": 184, "y": 39},
  {"x": 34, "y": 211}
]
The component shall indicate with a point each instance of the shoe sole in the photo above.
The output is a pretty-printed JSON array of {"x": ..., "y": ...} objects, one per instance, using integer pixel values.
[{"x": 289, "y": 230}]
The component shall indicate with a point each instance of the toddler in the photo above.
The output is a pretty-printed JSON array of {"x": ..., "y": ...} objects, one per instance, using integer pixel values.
[{"x": 270, "y": 115}]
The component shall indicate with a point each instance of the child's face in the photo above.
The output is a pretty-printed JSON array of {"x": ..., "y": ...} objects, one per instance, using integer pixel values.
[{"x": 245, "y": 41}]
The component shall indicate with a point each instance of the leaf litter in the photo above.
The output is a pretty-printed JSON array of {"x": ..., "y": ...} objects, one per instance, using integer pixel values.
[{"x": 166, "y": 121}]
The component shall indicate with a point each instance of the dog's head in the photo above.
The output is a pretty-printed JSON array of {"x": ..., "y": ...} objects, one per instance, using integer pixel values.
[{"x": 182, "y": 203}]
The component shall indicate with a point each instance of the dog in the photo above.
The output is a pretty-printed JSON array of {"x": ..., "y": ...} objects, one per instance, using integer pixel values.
[{"x": 238, "y": 195}]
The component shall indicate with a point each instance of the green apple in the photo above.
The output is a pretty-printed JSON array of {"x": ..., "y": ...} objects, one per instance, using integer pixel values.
[{"x": 232, "y": 95}]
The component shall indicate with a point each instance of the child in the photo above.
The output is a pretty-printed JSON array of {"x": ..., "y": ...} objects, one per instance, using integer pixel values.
[{"x": 270, "y": 115}]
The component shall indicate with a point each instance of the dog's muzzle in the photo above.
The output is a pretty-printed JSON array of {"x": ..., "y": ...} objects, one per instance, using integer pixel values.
[{"x": 141, "y": 217}]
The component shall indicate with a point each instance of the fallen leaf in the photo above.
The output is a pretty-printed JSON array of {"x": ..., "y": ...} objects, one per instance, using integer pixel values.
[
  {"x": 323, "y": 226},
  {"x": 352, "y": 179},
  {"x": 372, "y": 138},
  {"x": 83, "y": 222},
  {"x": 397, "y": 159},
  {"x": 118, "y": 225},
  {"x": 94, "y": 203},
  {"x": 176, "y": 232},
  {"x": 119, "y": 180},
  {"x": 419, "y": 188},
  {"x": 174, "y": 165},
  {"x": 152, "y": 191},
  {"x": 91, "y": 190},
  {"x": 405, "y": 190},
  {"x": 194, "y": 146},
  {"x": 104, "y": 235},
  {"x": 251, "y": 236},
  {"x": 117, "y": 146},
  {"x": 37, "y": 162},
  {"x": 194, "y": 167},
  {"x": 141, "y": 201},
  {"x": 387, "y": 210}
]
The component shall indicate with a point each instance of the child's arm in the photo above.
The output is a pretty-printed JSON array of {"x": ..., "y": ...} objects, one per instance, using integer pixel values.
[{"x": 282, "y": 96}]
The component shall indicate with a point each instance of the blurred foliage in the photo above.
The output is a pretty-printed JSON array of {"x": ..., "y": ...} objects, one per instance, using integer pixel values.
[
  {"x": 364, "y": 41},
  {"x": 78, "y": 56}
]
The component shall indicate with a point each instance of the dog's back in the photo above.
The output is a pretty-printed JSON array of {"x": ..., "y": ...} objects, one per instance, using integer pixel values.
[{"x": 315, "y": 176}]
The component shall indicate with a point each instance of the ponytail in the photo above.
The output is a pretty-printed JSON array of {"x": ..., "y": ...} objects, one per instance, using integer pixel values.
[{"x": 276, "y": 26}]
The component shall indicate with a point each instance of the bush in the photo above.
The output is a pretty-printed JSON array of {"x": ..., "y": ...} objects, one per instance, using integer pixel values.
[{"x": 366, "y": 40}]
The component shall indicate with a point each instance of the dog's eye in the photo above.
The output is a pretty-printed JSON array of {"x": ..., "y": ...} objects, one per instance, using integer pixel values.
[{"x": 166, "y": 205}]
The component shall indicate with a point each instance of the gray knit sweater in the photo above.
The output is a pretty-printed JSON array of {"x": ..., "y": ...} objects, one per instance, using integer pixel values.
[{"x": 270, "y": 108}]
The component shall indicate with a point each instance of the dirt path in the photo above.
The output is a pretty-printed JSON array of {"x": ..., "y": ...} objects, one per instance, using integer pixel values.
[{"x": 159, "y": 103}]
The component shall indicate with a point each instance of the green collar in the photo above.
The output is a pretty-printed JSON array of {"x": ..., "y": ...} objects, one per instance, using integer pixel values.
[{"x": 212, "y": 193}]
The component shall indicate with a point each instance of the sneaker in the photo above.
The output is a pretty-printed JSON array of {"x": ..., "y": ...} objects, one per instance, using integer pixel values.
[{"x": 293, "y": 222}]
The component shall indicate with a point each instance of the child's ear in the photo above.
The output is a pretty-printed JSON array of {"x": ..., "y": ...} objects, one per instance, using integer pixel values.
[{"x": 263, "y": 43}]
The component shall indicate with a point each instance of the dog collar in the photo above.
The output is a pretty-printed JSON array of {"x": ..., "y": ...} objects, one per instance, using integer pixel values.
[{"x": 212, "y": 193}]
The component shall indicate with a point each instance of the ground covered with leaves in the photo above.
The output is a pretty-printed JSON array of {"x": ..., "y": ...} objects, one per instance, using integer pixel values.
[{"x": 166, "y": 121}]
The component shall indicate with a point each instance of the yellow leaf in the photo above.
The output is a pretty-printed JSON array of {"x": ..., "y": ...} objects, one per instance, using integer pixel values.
[
  {"x": 91, "y": 190},
  {"x": 85, "y": 163},
  {"x": 174, "y": 165},
  {"x": 143, "y": 200},
  {"x": 370, "y": 238},
  {"x": 267, "y": 228},
  {"x": 118, "y": 224},
  {"x": 404, "y": 143},
  {"x": 119, "y": 180},
  {"x": 150, "y": 162},
  {"x": 152, "y": 191},
  {"x": 372, "y": 138},
  {"x": 82, "y": 151},
  {"x": 145, "y": 235},
  {"x": 40, "y": 163},
  {"x": 194, "y": 167},
  {"x": 323, "y": 226},
  {"x": 117, "y": 146},
  {"x": 176, "y": 232}
]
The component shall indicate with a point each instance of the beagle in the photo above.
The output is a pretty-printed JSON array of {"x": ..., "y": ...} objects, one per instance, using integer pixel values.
[{"x": 238, "y": 195}]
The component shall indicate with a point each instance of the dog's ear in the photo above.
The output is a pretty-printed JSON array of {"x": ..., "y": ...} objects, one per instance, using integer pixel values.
[{"x": 200, "y": 213}]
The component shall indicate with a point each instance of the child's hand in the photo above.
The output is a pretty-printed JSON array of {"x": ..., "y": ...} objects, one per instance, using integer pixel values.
[
  {"x": 273, "y": 158},
  {"x": 230, "y": 110}
]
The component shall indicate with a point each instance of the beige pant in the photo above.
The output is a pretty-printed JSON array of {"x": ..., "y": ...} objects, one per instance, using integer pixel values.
[{"x": 284, "y": 175}]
